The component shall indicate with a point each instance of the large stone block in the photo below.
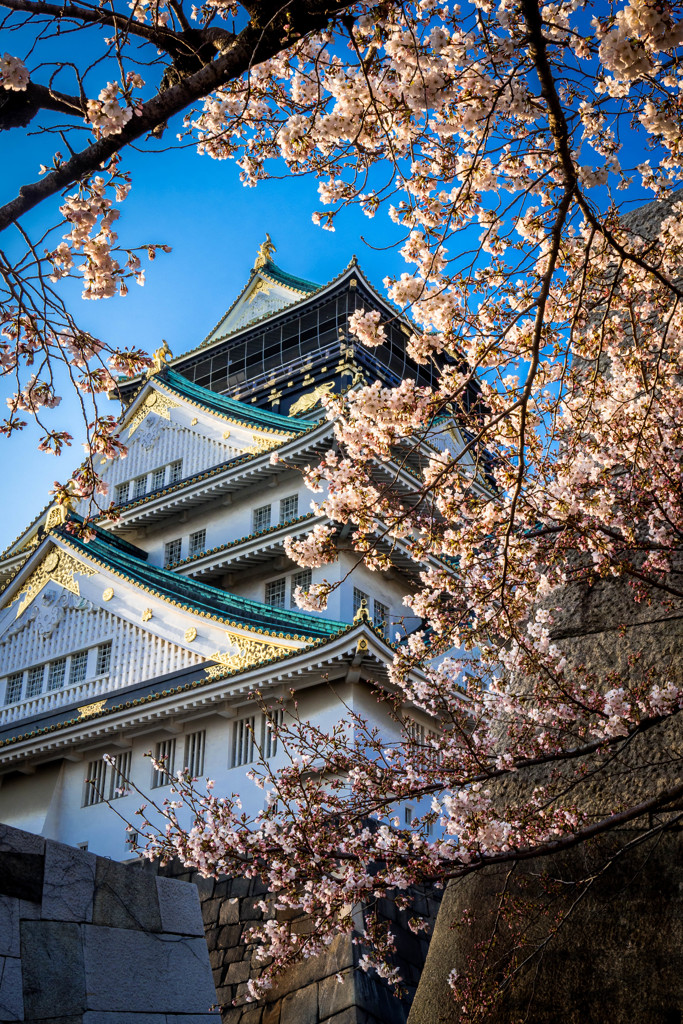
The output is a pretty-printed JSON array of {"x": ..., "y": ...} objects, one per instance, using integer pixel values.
[
  {"x": 12, "y": 911},
  {"x": 13, "y": 840},
  {"x": 11, "y": 991},
  {"x": 179, "y": 907},
  {"x": 335, "y": 996},
  {"x": 21, "y": 875},
  {"x": 300, "y": 1007},
  {"x": 127, "y": 970},
  {"x": 125, "y": 898},
  {"x": 103, "y": 1017},
  {"x": 52, "y": 967},
  {"x": 69, "y": 883}
]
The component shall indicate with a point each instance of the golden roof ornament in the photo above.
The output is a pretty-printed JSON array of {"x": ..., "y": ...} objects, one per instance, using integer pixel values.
[
  {"x": 266, "y": 250},
  {"x": 161, "y": 357}
]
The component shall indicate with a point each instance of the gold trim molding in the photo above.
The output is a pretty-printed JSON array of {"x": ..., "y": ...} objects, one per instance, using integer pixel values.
[
  {"x": 58, "y": 567},
  {"x": 243, "y": 653}
]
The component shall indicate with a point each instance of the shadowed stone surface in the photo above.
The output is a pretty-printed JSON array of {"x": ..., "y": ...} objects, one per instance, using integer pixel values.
[{"x": 58, "y": 966}]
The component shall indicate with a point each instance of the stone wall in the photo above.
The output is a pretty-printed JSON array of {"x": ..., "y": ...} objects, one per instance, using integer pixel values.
[
  {"x": 310, "y": 993},
  {"x": 86, "y": 940},
  {"x": 618, "y": 955}
]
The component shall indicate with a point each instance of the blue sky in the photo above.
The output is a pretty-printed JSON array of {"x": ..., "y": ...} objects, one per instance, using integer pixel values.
[{"x": 215, "y": 226}]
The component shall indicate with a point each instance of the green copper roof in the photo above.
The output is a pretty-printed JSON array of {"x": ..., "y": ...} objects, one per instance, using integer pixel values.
[
  {"x": 272, "y": 270},
  {"x": 193, "y": 595},
  {"x": 231, "y": 407}
]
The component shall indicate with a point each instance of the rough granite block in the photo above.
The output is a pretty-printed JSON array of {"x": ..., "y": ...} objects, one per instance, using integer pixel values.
[
  {"x": 125, "y": 898},
  {"x": 229, "y": 911},
  {"x": 21, "y": 875},
  {"x": 335, "y": 996},
  {"x": 69, "y": 883},
  {"x": 12, "y": 911},
  {"x": 179, "y": 907},
  {"x": 127, "y": 970},
  {"x": 194, "y": 1018},
  {"x": 52, "y": 966},
  {"x": 11, "y": 993},
  {"x": 300, "y": 1007},
  {"x": 13, "y": 840},
  {"x": 102, "y": 1017},
  {"x": 349, "y": 1016}
]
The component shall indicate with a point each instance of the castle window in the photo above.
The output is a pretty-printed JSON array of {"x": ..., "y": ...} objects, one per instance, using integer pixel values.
[
  {"x": 56, "y": 674},
  {"x": 13, "y": 689},
  {"x": 197, "y": 542},
  {"x": 164, "y": 753},
  {"x": 414, "y": 730},
  {"x": 173, "y": 551},
  {"x": 120, "y": 774},
  {"x": 408, "y": 815},
  {"x": 103, "y": 659},
  {"x": 243, "y": 741},
  {"x": 175, "y": 471},
  {"x": 95, "y": 781},
  {"x": 139, "y": 486},
  {"x": 276, "y": 593},
  {"x": 121, "y": 493},
  {"x": 79, "y": 666},
  {"x": 273, "y": 721},
  {"x": 158, "y": 477},
  {"x": 381, "y": 616},
  {"x": 289, "y": 508},
  {"x": 35, "y": 680},
  {"x": 195, "y": 744},
  {"x": 301, "y": 579},
  {"x": 358, "y": 597},
  {"x": 261, "y": 518}
]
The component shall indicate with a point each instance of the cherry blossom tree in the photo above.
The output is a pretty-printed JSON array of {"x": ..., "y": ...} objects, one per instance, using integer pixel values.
[{"x": 508, "y": 140}]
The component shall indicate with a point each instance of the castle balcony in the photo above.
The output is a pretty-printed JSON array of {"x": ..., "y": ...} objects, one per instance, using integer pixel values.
[{"x": 84, "y": 692}]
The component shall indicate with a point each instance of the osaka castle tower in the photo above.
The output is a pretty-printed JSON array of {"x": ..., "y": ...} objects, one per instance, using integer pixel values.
[{"x": 155, "y": 634}]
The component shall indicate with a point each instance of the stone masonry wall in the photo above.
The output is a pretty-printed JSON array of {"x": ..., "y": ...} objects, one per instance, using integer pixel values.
[
  {"x": 310, "y": 993},
  {"x": 86, "y": 940}
]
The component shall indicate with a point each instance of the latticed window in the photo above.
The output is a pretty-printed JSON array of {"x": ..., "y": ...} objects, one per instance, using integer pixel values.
[
  {"x": 139, "y": 486},
  {"x": 175, "y": 472},
  {"x": 380, "y": 616},
  {"x": 173, "y": 551},
  {"x": 272, "y": 722},
  {"x": 197, "y": 542},
  {"x": 261, "y": 518},
  {"x": 103, "y": 659},
  {"x": 195, "y": 745},
  {"x": 276, "y": 592},
  {"x": 165, "y": 754},
  {"x": 158, "y": 477},
  {"x": 13, "y": 689},
  {"x": 301, "y": 579},
  {"x": 121, "y": 493},
  {"x": 95, "y": 782},
  {"x": 56, "y": 674},
  {"x": 119, "y": 774},
  {"x": 358, "y": 597},
  {"x": 79, "y": 667},
  {"x": 243, "y": 741},
  {"x": 289, "y": 508},
  {"x": 35, "y": 680}
]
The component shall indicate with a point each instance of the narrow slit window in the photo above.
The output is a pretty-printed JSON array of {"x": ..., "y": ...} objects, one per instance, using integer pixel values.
[
  {"x": 243, "y": 742},
  {"x": 164, "y": 753},
  {"x": 95, "y": 782},
  {"x": 120, "y": 774},
  {"x": 195, "y": 744},
  {"x": 273, "y": 722}
]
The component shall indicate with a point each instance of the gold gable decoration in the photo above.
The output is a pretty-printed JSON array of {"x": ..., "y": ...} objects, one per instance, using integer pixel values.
[
  {"x": 58, "y": 567},
  {"x": 243, "y": 653},
  {"x": 88, "y": 710},
  {"x": 310, "y": 399},
  {"x": 155, "y": 402},
  {"x": 262, "y": 444}
]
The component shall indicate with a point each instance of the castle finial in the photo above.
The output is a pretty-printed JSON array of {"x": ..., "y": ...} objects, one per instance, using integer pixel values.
[{"x": 265, "y": 252}]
